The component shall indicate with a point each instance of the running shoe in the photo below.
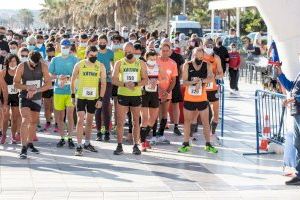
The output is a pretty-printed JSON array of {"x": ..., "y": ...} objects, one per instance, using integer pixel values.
[
  {"x": 99, "y": 136},
  {"x": 3, "y": 139},
  {"x": 177, "y": 131},
  {"x": 163, "y": 140},
  {"x": 47, "y": 126},
  {"x": 184, "y": 149},
  {"x": 90, "y": 148},
  {"x": 211, "y": 149},
  {"x": 136, "y": 150},
  {"x": 293, "y": 181},
  {"x": 119, "y": 150},
  {"x": 71, "y": 143},
  {"x": 78, "y": 151},
  {"x": 106, "y": 136},
  {"x": 23, "y": 154},
  {"x": 55, "y": 128},
  {"x": 153, "y": 140},
  {"x": 61, "y": 143},
  {"x": 33, "y": 149}
]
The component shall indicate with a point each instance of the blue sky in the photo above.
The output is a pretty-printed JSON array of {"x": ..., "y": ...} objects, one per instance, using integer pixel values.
[{"x": 19, "y": 4}]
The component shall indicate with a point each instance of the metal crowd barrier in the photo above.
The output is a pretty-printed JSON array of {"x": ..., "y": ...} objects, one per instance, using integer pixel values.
[
  {"x": 253, "y": 68},
  {"x": 221, "y": 106},
  {"x": 270, "y": 117}
]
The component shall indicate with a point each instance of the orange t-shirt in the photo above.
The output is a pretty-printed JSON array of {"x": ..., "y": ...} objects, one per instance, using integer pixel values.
[{"x": 167, "y": 70}]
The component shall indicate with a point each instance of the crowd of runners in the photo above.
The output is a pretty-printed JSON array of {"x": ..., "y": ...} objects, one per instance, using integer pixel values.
[{"x": 102, "y": 79}]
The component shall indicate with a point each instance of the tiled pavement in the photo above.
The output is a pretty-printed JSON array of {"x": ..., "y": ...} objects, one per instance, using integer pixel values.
[{"x": 161, "y": 173}]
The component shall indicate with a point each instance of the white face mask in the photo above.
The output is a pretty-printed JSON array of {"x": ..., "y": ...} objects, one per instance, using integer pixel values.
[
  {"x": 83, "y": 44},
  {"x": 39, "y": 45},
  {"x": 151, "y": 62},
  {"x": 137, "y": 56},
  {"x": 23, "y": 59},
  {"x": 13, "y": 51},
  {"x": 125, "y": 35},
  {"x": 13, "y": 67},
  {"x": 8, "y": 37},
  {"x": 65, "y": 52},
  {"x": 209, "y": 51},
  {"x": 132, "y": 41}
]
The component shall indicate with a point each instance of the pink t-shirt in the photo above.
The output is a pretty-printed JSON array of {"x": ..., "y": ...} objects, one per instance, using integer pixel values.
[{"x": 167, "y": 70}]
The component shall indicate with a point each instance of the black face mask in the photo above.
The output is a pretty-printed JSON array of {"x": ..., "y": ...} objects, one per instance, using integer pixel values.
[
  {"x": 93, "y": 59},
  {"x": 198, "y": 61},
  {"x": 102, "y": 47},
  {"x": 129, "y": 56},
  {"x": 50, "y": 58},
  {"x": 220, "y": 43}
]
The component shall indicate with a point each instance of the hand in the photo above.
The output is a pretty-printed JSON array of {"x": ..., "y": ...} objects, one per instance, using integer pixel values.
[
  {"x": 278, "y": 68},
  {"x": 286, "y": 102},
  {"x": 198, "y": 86},
  {"x": 165, "y": 94},
  {"x": 31, "y": 88},
  {"x": 99, "y": 104},
  {"x": 129, "y": 85},
  {"x": 31, "y": 93}
]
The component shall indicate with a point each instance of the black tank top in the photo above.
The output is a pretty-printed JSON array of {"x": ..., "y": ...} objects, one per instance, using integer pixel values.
[
  {"x": 32, "y": 77},
  {"x": 9, "y": 80},
  {"x": 201, "y": 73}
]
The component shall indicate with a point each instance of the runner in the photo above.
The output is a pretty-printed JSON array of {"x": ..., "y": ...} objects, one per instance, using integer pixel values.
[
  {"x": 167, "y": 81},
  {"x": 61, "y": 68},
  {"x": 23, "y": 54},
  {"x": 196, "y": 74},
  {"x": 87, "y": 73},
  {"x": 11, "y": 62},
  {"x": 13, "y": 47},
  {"x": 81, "y": 49},
  {"x": 3, "y": 107},
  {"x": 40, "y": 46},
  {"x": 48, "y": 95},
  {"x": 28, "y": 79},
  {"x": 212, "y": 87},
  {"x": 106, "y": 57},
  {"x": 150, "y": 99},
  {"x": 130, "y": 74}
]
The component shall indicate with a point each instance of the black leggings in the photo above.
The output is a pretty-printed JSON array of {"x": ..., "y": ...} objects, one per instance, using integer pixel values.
[{"x": 105, "y": 109}]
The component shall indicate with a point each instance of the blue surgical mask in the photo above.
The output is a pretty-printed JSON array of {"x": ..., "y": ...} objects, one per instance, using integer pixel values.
[
  {"x": 30, "y": 47},
  {"x": 65, "y": 52}
]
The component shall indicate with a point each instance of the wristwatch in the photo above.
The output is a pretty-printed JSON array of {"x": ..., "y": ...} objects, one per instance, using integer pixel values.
[{"x": 73, "y": 96}]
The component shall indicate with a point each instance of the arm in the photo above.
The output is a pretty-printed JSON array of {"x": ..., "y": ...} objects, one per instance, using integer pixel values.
[
  {"x": 219, "y": 74},
  {"x": 4, "y": 88},
  {"x": 18, "y": 77},
  {"x": 144, "y": 75},
  {"x": 47, "y": 79},
  {"x": 102, "y": 81},
  {"x": 185, "y": 69},
  {"x": 74, "y": 78},
  {"x": 115, "y": 76},
  {"x": 210, "y": 76},
  {"x": 173, "y": 79},
  {"x": 287, "y": 84}
]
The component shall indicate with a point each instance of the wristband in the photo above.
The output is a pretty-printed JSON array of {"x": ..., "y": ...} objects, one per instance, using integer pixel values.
[
  {"x": 124, "y": 85},
  {"x": 136, "y": 84},
  {"x": 100, "y": 99},
  {"x": 73, "y": 96}
]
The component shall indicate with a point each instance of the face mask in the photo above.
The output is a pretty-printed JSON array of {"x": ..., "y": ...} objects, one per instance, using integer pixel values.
[
  {"x": 157, "y": 50},
  {"x": 209, "y": 51},
  {"x": 198, "y": 61},
  {"x": 125, "y": 35},
  {"x": 8, "y": 37},
  {"x": 232, "y": 36},
  {"x": 129, "y": 56},
  {"x": 93, "y": 59},
  {"x": 114, "y": 47},
  {"x": 13, "y": 51},
  {"x": 39, "y": 45},
  {"x": 30, "y": 47},
  {"x": 23, "y": 59},
  {"x": 83, "y": 44},
  {"x": 233, "y": 49},
  {"x": 13, "y": 68},
  {"x": 220, "y": 43},
  {"x": 137, "y": 56},
  {"x": 151, "y": 62},
  {"x": 50, "y": 58},
  {"x": 65, "y": 52},
  {"x": 102, "y": 47}
]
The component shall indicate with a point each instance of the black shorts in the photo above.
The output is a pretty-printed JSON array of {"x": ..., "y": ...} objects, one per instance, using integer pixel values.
[
  {"x": 34, "y": 106},
  {"x": 47, "y": 94},
  {"x": 13, "y": 100},
  {"x": 176, "y": 94},
  {"x": 114, "y": 91},
  {"x": 150, "y": 100},
  {"x": 86, "y": 105},
  {"x": 212, "y": 96},
  {"x": 130, "y": 101},
  {"x": 193, "y": 106}
]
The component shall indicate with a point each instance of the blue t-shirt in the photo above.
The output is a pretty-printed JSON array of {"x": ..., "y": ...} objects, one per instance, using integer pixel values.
[
  {"x": 106, "y": 58},
  {"x": 42, "y": 51},
  {"x": 62, "y": 66}
]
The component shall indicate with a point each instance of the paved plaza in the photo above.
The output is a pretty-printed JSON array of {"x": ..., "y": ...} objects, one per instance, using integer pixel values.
[{"x": 161, "y": 173}]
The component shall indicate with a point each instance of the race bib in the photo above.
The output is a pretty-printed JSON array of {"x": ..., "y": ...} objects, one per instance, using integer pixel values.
[
  {"x": 68, "y": 82},
  {"x": 193, "y": 91},
  {"x": 12, "y": 90},
  {"x": 210, "y": 85},
  {"x": 89, "y": 92},
  {"x": 151, "y": 88},
  {"x": 130, "y": 77},
  {"x": 36, "y": 83}
]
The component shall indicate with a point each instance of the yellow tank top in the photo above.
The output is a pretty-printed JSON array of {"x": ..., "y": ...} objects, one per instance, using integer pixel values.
[
  {"x": 130, "y": 72},
  {"x": 88, "y": 81}
]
